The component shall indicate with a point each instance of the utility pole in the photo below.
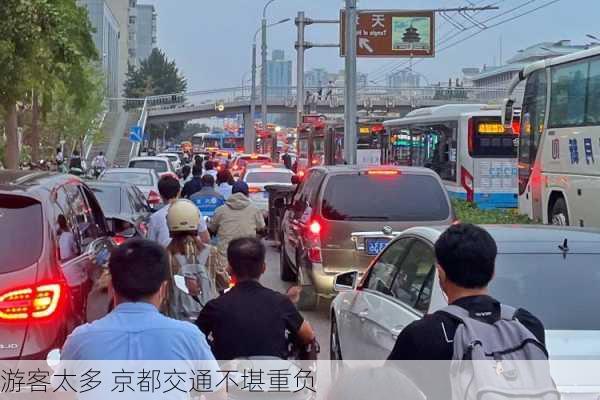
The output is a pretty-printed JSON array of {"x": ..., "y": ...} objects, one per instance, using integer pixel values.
[
  {"x": 300, "y": 68},
  {"x": 250, "y": 136},
  {"x": 263, "y": 69},
  {"x": 350, "y": 131}
]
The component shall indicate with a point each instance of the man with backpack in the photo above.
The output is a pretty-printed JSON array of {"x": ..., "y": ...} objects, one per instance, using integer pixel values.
[{"x": 474, "y": 325}]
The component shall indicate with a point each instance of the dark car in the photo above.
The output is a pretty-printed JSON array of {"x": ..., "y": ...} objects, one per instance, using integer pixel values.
[
  {"x": 125, "y": 208},
  {"x": 343, "y": 216},
  {"x": 54, "y": 240}
]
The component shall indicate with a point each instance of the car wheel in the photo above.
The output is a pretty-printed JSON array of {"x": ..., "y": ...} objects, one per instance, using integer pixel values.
[
  {"x": 285, "y": 269},
  {"x": 335, "y": 352},
  {"x": 308, "y": 295},
  {"x": 559, "y": 214}
]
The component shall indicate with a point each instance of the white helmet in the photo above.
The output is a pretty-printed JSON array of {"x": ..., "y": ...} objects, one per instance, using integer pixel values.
[{"x": 183, "y": 216}]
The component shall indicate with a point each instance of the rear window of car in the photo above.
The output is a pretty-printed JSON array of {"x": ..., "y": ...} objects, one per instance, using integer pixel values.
[
  {"x": 157, "y": 165},
  {"x": 268, "y": 177},
  {"x": 129, "y": 177},
  {"x": 402, "y": 197},
  {"x": 21, "y": 232},
  {"x": 109, "y": 199},
  {"x": 533, "y": 282}
]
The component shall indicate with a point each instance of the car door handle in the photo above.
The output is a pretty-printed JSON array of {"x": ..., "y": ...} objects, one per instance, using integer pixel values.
[{"x": 363, "y": 314}]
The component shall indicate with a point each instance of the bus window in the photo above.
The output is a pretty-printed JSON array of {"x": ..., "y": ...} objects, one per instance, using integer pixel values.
[
  {"x": 487, "y": 139},
  {"x": 593, "y": 102},
  {"x": 533, "y": 114},
  {"x": 569, "y": 85}
]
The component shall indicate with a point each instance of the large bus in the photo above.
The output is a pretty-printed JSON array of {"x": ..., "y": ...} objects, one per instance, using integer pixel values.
[
  {"x": 466, "y": 145},
  {"x": 218, "y": 141},
  {"x": 559, "y": 178},
  {"x": 320, "y": 142}
]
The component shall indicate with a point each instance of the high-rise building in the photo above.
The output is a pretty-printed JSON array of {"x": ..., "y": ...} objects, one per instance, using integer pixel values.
[
  {"x": 316, "y": 77},
  {"x": 106, "y": 39},
  {"x": 145, "y": 30},
  {"x": 125, "y": 13},
  {"x": 279, "y": 74}
]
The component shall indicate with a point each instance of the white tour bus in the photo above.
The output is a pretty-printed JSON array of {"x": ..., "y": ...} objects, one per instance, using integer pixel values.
[
  {"x": 466, "y": 145},
  {"x": 559, "y": 177}
]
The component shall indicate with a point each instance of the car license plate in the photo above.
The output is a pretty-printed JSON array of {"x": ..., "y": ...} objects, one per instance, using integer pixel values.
[{"x": 375, "y": 246}]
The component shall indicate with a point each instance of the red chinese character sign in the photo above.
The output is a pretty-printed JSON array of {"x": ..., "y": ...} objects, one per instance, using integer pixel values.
[{"x": 392, "y": 34}]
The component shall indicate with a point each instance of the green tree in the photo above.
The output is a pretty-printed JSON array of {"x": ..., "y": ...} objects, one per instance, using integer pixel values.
[
  {"x": 157, "y": 75},
  {"x": 43, "y": 44}
]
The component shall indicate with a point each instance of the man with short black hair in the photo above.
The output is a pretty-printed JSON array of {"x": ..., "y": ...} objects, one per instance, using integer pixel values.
[
  {"x": 210, "y": 169},
  {"x": 466, "y": 256},
  {"x": 193, "y": 185},
  {"x": 251, "y": 320},
  {"x": 158, "y": 230},
  {"x": 135, "y": 329}
]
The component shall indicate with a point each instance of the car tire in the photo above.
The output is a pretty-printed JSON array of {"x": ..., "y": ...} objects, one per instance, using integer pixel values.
[
  {"x": 559, "y": 214},
  {"x": 285, "y": 269},
  {"x": 308, "y": 295},
  {"x": 335, "y": 353}
]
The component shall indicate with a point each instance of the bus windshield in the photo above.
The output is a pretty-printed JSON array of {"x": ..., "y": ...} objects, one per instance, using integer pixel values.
[{"x": 487, "y": 139}]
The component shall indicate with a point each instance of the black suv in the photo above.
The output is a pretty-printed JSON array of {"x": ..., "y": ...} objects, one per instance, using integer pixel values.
[{"x": 53, "y": 241}]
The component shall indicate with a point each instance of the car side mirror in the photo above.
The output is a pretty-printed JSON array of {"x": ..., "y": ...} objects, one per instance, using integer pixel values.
[
  {"x": 507, "y": 114},
  {"x": 346, "y": 281}
]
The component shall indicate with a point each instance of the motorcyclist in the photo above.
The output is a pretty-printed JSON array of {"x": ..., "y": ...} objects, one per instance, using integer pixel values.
[
  {"x": 188, "y": 256},
  {"x": 251, "y": 320},
  {"x": 99, "y": 163},
  {"x": 75, "y": 164}
]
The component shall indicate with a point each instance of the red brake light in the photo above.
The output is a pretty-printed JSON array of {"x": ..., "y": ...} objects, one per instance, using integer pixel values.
[
  {"x": 315, "y": 227},
  {"x": 300, "y": 173},
  {"x": 119, "y": 240},
  {"x": 471, "y": 135},
  {"x": 30, "y": 302},
  {"x": 254, "y": 157},
  {"x": 384, "y": 172},
  {"x": 254, "y": 190},
  {"x": 516, "y": 127},
  {"x": 377, "y": 128},
  {"x": 153, "y": 197}
]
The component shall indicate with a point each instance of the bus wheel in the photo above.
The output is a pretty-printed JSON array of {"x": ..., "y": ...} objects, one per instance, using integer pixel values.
[{"x": 559, "y": 214}]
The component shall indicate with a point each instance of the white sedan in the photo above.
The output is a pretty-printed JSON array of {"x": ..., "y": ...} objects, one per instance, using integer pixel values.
[
  {"x": 161, "y": 165},
  {"x": 174, "y": 158},
  {"x": 259, "y": 176},
  {"x": 534, "y": 270}
]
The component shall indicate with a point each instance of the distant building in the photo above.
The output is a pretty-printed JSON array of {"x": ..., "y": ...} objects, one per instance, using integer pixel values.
[
  {"x": 125, "y": 13},
  {"x": 500, "y": 77},
  {"x": 145, "y": 30},
  {"x": 467, "y": 76},
  {"x": 106, "y": 39},
  {"x": 404, "y": 78},
  {"x": 316, "y": 77},
  {"x": 279, "y": 74}
]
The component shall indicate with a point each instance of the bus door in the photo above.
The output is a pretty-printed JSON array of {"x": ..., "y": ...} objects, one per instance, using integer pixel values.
[{"x": 494, "y": 165}]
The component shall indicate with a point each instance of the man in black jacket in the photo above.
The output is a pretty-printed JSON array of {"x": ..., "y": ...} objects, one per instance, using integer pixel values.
[{"x": 195, "y": 184}]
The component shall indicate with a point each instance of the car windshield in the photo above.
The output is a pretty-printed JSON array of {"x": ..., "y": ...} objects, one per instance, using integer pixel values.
[
  {"x": 171, "y": 157},
  {"x": 109, "y": 199},
  {"x": 402, "y": 197},
  {"x": 21, "y": 232},
  {"x": 157, "y": 165},
  {"x": 268, "y": 177},
  {"x": 536, "y": 282},
  {"x": 129, "y": 177}
]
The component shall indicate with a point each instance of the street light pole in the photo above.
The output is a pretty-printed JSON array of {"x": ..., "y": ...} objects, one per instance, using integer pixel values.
[
  {"x": 350, "y": 131},
  {"x": 263, "y": 71}
]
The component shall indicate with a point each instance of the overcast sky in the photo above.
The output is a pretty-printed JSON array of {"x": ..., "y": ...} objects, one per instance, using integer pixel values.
[{"x": 211, "y": 39}]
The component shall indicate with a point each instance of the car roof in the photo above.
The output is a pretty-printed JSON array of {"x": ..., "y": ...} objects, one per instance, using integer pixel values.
[
  {"x": 29, "y": 181},
  {"x": 101, "y": 184},
  {"x": 150, "y": 158},
  {"x": 528, "y": 238},
  {"x": 131, "y": 170},
  {"x": 168, "y": 153},
  {"x": 342, "y": 169}
]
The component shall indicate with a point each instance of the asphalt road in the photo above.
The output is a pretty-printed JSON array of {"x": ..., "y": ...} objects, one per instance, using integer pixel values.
[{"x": 319, "y": 319}]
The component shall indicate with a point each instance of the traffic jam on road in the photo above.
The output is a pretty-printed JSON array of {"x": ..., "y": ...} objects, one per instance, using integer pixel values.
[{"x": 437, "y": 242}]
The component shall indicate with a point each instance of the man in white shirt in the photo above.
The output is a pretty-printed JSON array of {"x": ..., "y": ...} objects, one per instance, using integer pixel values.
[{"x": 158, "y": 230}]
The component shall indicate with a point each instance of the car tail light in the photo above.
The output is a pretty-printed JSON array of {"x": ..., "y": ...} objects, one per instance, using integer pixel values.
[
  {"x": 301, "y": 173},
  {"x": 153, "y": 198},
  {"x": 383, "y": 172},
  {"x": 516, "y": 127},
  {"x": 312, "y": 239},
  {"x": 471, "y": 135},
  {"x": 119, "y": 240},
  {"x": 254, "y": 189},
  {"x": 34, "y": 302}
]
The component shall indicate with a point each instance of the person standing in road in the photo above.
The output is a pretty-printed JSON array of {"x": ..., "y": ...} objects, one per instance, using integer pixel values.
[
  {"x": 135, "y": 329},
  {"x": 210, "y": 169},
  {"x": 100, "y": 161},
  {"x": 193, "y": 185},
  {"x": 158, "y": 230},
  {"x": 186, "y": 174},
  {"x": 287, "y": 159},
  {"x": 251, "y": 320},
  {"x": 238, "y": 217},
  {"x": 466, "y": 256}
]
